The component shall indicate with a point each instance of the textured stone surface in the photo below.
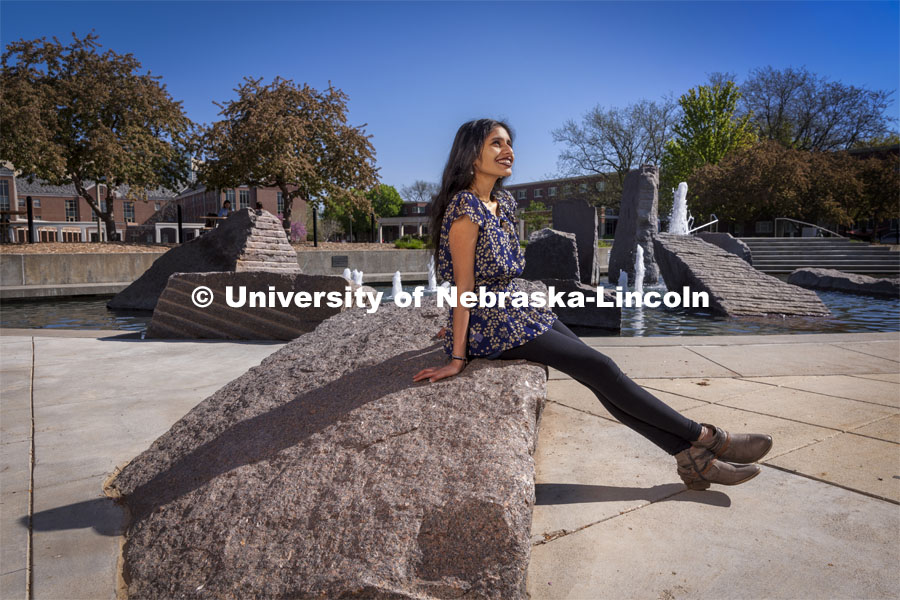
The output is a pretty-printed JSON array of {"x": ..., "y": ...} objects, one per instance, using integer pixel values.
[
  {"x": 591, "y": 315},
  {"x": 325, "y": 472},
  {"x": 839, "y": 281},
  {"x": 734, "y": 287},
  {"x": 176, "y": 316},
  {"x": 578, "y": 217},
  {"x": 245, "y": 241},
  {"x": 727, "y": 242},
  {"x": 637, "y": 223},
  {"x": 551, "y": 254}
]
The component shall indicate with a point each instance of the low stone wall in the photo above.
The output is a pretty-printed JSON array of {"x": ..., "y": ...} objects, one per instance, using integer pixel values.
[
  {"x": 37, "y": 275},
  {"x": 70, "y": 269},
  {"x": 378, "y": 266}
]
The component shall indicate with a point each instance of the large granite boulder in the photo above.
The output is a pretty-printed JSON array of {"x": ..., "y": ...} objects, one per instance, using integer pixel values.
[
  {"x": 551, "y": 254},
  {"x": 177, "y": 316},
  {"x": 580, "y": 218},
  {"x": 638, "y": 222},
  {"x": 590, "y": 315},
  {"x": 325, "y": 472},
  {"x": 727, "y": 242},
  {"x": 248, "y": 240},
  {"x": 734, "y": 287},
  {"x": 839, "y": 281}
]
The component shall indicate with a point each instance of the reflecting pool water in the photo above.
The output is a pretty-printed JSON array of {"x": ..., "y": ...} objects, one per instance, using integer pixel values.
[{"x": 851, "y": 314}]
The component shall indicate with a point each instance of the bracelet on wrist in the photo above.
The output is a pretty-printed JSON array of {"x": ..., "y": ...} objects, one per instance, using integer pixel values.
[{"x": 462, "y": 358}]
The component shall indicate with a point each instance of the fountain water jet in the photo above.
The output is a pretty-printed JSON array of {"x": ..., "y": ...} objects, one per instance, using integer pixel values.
[
  {"x": 679, "y": 220},
  {"x": 397, "y": 286},
  {"x": 432, "y": 279}
]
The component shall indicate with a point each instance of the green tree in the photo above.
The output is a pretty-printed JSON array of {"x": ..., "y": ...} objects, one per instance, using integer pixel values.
[
  {"x": 769, "y": 180},
  {"x": 72, "y": 116},
  {"x": 384, "y": 200},
  {"x": 707, "y": 131},
  {"x": 534, "y": 217},
  {"x": 293, "y": 137}
]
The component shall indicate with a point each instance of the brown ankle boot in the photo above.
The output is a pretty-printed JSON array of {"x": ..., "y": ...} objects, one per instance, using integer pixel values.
[
  {"x": 698, "y": 468},
  {"x": 738, "y": 447}
]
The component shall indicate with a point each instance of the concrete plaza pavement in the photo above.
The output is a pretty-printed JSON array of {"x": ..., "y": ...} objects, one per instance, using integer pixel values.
[{"x": 612, "y": 519}]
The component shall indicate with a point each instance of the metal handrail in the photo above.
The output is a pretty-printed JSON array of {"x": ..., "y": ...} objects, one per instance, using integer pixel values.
[
  {"x": 803, "y": 223},
  {"x": 715, "y": 220}
]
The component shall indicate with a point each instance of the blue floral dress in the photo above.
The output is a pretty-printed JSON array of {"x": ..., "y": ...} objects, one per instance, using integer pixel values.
[{"x": 498, "y": 259}]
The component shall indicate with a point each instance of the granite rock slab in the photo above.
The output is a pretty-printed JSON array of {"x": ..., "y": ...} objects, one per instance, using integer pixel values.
[
  {"x": 177, "y": 317},
  {"x": 727, "y": 242},
  {"x": 576, "y": 216},
  {"x": 638, "y": 223},
  {"x": 551, "y": 254},
  {"x": 248, "y": 240},
  {"x": 735, "y": 288},
  {"x": 850, "y": 283},
  {"x": 590, "y": 315},
  {"x": 325, "y": 472}
]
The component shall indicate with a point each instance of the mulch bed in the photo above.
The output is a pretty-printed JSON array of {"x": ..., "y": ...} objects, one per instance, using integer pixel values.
[{"x": 123, "y": 247}]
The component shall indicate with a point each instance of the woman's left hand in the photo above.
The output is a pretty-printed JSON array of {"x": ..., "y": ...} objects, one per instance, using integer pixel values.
[{"x": 433, "y": 374}]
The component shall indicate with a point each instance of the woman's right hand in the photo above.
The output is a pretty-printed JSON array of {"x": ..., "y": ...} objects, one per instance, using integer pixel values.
[{"x": 433, "y": 374}]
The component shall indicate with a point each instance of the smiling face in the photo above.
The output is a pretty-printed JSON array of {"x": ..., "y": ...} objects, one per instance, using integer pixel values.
[{"x": 496, "y": 158}]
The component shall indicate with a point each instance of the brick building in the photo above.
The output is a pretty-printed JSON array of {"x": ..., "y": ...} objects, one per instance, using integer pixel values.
[
  {"x": 598, "y": 190},
  {"x": 60, "y": 214}
]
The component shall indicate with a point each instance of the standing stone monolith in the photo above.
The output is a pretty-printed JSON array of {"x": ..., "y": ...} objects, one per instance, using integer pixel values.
[
  {"x": 551, "y": 254},
  {"x": 578, "y": 217},
  {"x": 638, "y": 223}
]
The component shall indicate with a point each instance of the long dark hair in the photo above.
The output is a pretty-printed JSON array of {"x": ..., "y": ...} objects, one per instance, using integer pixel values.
[{"x": 459, "y": 171}]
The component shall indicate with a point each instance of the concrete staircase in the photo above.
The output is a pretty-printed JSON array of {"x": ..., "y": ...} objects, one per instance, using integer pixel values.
[{"x": 783, "y": 255}]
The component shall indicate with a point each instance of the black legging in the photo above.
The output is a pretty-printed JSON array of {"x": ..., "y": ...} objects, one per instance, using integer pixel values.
[{"x": 623, "y": 398}]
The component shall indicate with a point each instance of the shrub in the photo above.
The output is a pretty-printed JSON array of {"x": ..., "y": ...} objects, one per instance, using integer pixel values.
[{"x": 410, "y": 242}]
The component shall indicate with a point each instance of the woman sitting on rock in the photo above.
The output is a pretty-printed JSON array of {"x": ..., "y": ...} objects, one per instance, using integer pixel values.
[{"x": 473, "y": 227}]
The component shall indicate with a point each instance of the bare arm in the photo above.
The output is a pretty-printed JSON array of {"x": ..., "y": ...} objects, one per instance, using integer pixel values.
[{"x": 463, "y": 237}]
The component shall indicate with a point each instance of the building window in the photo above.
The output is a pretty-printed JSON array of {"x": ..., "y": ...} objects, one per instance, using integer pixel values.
[
  {"x": 539, "y": 193},
  {"x": 552, "y": 191},
  {"x": 280, "y": 208},
  {"x": 522, "y": 194},
  {"x": 764, "y": 226},
  {"x": 601, "y": 186},
  {"x": 129, "y": 211},
  {"x": 582, "y": 188},
  {"x": 156, "y": 206},
  {"x": 71, "y": 209},
  {"x": 245, "y": 199},
  {"x": 229, "y": 197},
  {"x": 567, "y": 189},
  {"x": 4, "y": 195}
]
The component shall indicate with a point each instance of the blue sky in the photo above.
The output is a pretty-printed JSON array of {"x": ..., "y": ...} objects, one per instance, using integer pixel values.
[{"x": 415, "y": 71}]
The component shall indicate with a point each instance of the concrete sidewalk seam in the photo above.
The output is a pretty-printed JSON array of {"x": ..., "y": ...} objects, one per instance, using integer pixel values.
[
  {"x": 870, "y": 377},
  {"x": 585, "y": 412},
  {"x": 831, "y": 483},
  {"x": 549, "y": 537},
  {"x": 690, "y": 348},
  {"x": 796, "y": 389},
  {"x": 835, "y": 345},
  {"x": 836, "y": 429},
  {"x": 29, "y": 550}
]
